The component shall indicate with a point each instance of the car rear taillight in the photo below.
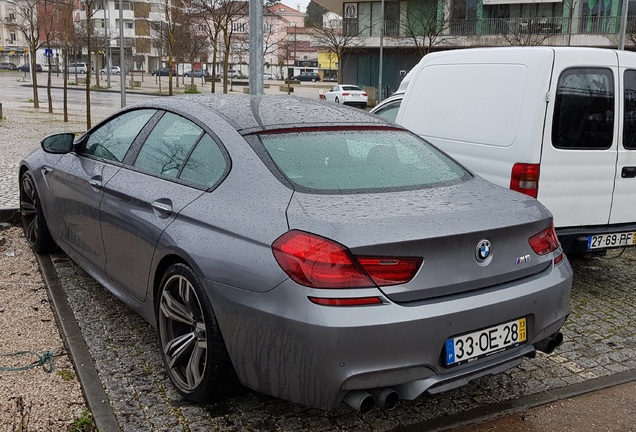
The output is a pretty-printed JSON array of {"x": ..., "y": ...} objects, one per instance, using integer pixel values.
[
  {"x": 390, "y": 271},
  {"x": 364, "y": 94},
  {"x": 525, "y": 179},
  {"x": 545, "y": 242},
  {"x": 318, "y": 262},
  {"x": 346, "y": 94}
]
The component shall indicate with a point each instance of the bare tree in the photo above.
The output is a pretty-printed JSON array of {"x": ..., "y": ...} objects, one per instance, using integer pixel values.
[
  {"x": 426, "y": 26},
  {"x": 48, "y": 13},
  {"x": 337, "y": 38},
  {"x": 88, "y": 34},
  {"x": 30, "y": 26},
  {"x": 233, "y": 16},
  {"x": 65, "y": 33},
  {"x": 194, "y": 42},
  {"x": 529, "y": 31}
]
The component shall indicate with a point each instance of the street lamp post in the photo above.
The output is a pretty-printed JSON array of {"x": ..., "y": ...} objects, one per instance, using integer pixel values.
[
  {"x": 122, "y": 59},
  {"x": 381, "y": 49}
]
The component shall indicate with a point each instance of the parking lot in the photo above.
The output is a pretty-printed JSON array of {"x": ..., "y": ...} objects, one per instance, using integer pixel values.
[{"x": 599, "y": 350}]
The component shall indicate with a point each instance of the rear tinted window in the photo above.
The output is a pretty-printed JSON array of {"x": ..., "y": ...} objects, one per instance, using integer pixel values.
[
  {"x": 359, "y": 161},
  {"x": 584, "y": 109},
  {"x": 629, "y": 120}
]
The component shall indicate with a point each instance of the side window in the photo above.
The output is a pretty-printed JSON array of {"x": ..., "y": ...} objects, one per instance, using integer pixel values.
[
  {"x": 113, "y": 139},
  {"x": 168, "y": 145},
  {"x": 629, "y": 121},
  {"x": 389, "y": 112},
  {"x": 206, "y": 164},
  {"x": 584, "y": 110}
]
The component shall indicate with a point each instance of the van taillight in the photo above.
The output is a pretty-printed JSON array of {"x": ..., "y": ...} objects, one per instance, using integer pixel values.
[{"x": 525, "y": 179}]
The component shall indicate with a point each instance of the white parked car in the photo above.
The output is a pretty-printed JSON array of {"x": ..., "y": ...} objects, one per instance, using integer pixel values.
[
  {"x": 114, "y": 70},
  {"x": 347, "y": 94}
]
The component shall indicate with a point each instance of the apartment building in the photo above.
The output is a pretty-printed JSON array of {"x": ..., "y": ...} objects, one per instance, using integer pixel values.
[
  {"x": 410, "y": 29},
  {"x": 13, "y": 47}
]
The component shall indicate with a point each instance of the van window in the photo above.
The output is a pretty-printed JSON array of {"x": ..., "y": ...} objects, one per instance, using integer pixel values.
[
  {"x": 629, "y": 119},
  {"x": 584, "y": 109}
]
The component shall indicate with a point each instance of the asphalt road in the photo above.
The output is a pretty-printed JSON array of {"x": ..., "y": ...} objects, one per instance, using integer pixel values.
[{"x": 17, "y": 87}]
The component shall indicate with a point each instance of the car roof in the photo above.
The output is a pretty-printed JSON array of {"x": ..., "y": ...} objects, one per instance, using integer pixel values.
[{"x": 249, "y": 114}]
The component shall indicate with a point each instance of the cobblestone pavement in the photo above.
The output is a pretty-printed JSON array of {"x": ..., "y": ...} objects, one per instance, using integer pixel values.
[{"x": 599, "y": 341}]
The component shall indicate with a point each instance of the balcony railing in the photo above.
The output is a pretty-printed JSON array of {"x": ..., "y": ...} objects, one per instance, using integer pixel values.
[{"x": 545, "y": 26}]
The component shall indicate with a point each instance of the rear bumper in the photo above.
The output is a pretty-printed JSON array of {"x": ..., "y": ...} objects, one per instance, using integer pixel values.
[
  {"x": 356, "y": 103},
  {"x": 574, "y": 240},
  {"x": 283, "y": 345}
]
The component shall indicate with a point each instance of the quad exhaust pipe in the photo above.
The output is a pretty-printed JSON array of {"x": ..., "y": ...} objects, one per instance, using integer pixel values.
[
  {"x": 387, "y": 398},
  {"x": 549, "y": 345},
  {"x": 363, "y": 401}
]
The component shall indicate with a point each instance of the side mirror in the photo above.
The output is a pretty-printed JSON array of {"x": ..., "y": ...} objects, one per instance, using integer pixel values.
[{"x": 58, "y": 143}]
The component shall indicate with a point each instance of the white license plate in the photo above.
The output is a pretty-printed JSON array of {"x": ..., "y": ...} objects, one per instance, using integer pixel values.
[
  {"x": 482, "y": 343},
  {"x": 603, "y": 241}
]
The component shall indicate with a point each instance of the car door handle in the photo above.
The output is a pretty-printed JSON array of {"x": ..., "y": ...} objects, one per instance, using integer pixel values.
[
  {"x": 163, "y": 207},
  {"x": 95, "y": 182},
  {"x": 628, "y": 172}
]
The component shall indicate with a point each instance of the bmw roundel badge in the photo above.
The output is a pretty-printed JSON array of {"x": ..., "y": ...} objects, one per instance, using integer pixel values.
[{"x": 483, "y": 250}]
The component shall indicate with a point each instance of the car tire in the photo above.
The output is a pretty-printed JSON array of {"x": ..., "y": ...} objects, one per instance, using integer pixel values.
[
  {"x": 36, "y": 231},
  {"x": 82, "y": 72},
  {"x": 313, "y": 80},
  {"x": 198, "y": 373},
  {"x": 337, "y": 100}
]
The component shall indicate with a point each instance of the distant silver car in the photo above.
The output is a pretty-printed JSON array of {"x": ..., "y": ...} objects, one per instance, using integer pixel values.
[
  {"x": 347, "y": 94},
  {"x": 113, "y": 70},
  {"x": 318, "y": 254}
]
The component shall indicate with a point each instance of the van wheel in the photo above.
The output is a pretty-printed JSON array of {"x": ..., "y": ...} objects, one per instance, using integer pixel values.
[{"x": 190, "y": 340}]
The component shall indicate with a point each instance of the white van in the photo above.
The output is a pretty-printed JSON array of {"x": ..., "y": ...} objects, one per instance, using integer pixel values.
[{"x": 558, "y": 124}]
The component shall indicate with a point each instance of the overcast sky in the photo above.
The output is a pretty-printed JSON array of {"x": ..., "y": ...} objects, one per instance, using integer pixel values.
[{"x": 294, "y": 3}]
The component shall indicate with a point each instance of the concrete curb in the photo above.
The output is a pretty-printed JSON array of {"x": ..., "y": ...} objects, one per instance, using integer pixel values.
[
  {"x": 514, "y": 406},
  {"x": 94, "y": 393}
]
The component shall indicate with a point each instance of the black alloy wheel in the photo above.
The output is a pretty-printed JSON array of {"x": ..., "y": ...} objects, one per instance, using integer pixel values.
[
  {"x": 190, "y": 339},
  {"x": 36, "y": 231}
]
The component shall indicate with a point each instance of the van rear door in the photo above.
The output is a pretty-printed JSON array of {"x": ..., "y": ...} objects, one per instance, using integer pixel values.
[
  {"x": 578, "y": 161},
  {"x": 624, "y": 204}
]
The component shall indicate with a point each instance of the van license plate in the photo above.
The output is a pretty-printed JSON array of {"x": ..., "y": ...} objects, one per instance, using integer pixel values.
[
  {"x": 483, "y": 343},
  {"x": 611, "y": 240}
]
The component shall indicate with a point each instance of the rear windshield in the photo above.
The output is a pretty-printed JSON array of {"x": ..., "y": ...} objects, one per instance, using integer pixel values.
[{"x": 341, "y": 161}]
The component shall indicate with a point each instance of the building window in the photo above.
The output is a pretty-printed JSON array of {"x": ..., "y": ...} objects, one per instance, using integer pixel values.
[
  {"x": 238, "y": 27},
  {"x": 126, "y": 5},
  {"x": 350, "y": 21},
  {"x": 365, "y": 19},
  {"x": 12, "y": 37}
]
